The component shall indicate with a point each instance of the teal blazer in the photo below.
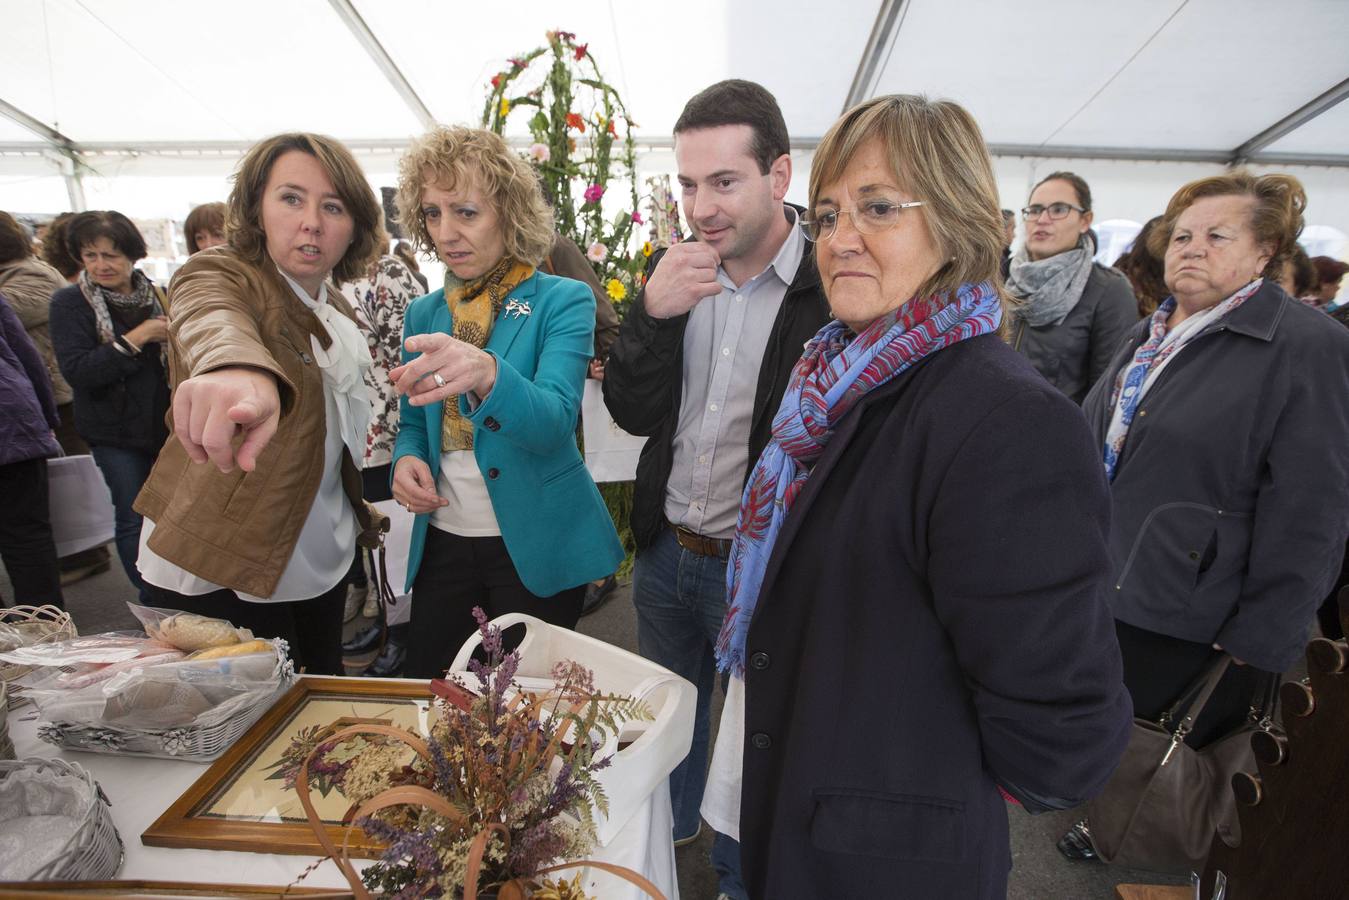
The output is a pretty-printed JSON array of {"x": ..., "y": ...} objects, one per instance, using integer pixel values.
[{"x": 556, "y": 527}]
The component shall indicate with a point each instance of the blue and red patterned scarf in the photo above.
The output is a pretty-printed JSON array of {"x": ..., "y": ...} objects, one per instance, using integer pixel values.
[{"x": 835, "y": 372}]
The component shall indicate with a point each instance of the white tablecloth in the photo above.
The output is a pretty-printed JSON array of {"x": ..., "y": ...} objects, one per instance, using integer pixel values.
[{"x": 139, "y": 789}]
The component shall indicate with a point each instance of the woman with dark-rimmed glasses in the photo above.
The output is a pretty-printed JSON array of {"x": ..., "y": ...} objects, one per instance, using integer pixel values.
[{"x": 1073, "y": 311}]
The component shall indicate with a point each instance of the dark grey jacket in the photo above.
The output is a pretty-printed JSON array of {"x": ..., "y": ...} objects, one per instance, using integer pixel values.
[
  {"x": 1073, "y": 354},
  {"x": 1231, "y": 500},
  {"x": 119, "y": 401}
]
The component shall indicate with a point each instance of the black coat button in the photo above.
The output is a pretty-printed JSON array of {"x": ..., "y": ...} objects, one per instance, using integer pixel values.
[
  {"x": 761, "y": 741},
  {"x": 1194, "y": 554},
  {"x": 491, "y": 424},
  {"x": 493, "y": 473},
  {"x": 759, "y": 660}
]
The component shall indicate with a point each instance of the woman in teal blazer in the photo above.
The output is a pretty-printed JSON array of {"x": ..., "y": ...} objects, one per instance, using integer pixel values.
[{"x": 508, "y": 518}]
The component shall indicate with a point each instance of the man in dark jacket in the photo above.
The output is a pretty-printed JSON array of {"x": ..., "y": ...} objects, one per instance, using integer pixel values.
[
  {"x": 700, "y": 367},
  {"x": 27, "y": 419}
]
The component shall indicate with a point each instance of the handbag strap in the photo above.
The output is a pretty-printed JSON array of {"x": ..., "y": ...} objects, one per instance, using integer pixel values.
[{"x": 1194, "y": 698}]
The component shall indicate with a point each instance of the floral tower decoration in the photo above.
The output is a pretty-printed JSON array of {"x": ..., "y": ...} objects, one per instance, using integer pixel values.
[{"x": 584, "y": 151}]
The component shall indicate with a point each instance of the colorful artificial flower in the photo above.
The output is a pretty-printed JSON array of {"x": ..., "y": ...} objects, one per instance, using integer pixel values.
[
  {"x": 612, "y": 129},
  {"x": 596, "y": 252},
  {"x": 637, "y": 218},
  {"x": 581, "y": 52},
  {"x": 574, "y": 120},
  {"x": 517, "y": 62},
  {"x": 616, "y": 289},
  {"x": 505, "y": 107},
  {"x": 594, "y": 193},
  {"x": 539, "y": 152},
  {"x": 496, "y": 80},
  {"x": 647, "y": 249}
]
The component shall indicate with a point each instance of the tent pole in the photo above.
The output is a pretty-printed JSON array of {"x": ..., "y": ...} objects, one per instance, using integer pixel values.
[
  {"x": 877, "y": 51},
  {"x": 1289, "y": 123},
  {"x": 58, "y": 143}
]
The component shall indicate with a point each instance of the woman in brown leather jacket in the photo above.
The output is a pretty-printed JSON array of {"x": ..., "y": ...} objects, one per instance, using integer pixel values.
[{"x": 254, "y": 508}]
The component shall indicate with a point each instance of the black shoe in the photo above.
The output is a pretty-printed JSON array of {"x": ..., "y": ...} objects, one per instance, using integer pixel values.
[
  {"x": 598, "y": 594},
  {"x": 362, "y": 641},
  {"x": 390, "y": 662},
  {"x": 1076, "y": 843}
]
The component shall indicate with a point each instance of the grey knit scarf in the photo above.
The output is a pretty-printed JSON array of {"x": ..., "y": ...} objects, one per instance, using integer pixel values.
[{"x": 1050, "y": 288}]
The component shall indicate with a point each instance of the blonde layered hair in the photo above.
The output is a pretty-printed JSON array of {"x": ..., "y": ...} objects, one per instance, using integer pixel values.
[
  {"x": 243, "y": 215},
  {"x": 448, "y": 157},
  {"x": 938, "y": 153}
]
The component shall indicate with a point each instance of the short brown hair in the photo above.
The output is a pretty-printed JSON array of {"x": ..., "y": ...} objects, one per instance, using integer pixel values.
[
  {"x": 243, "y": 219},
  {"x": 207, "y": 217},
  {"x": 14, "y": 240},
  {"x": 739, "y": 102},
  {"x": 449, "y": 156},
  {"x": 87, "y": 227},
  {"x": 938, "y": 152},
  {"x": 1276, "y": 215},
  {"x": 1077, "y": 182},
  {"x": 54, "y": 250}
]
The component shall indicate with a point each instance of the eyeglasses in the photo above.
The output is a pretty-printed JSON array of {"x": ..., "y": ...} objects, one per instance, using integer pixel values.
[
  {"x": 871, "y": 217},
  {"x": 1055, "y": 210}
]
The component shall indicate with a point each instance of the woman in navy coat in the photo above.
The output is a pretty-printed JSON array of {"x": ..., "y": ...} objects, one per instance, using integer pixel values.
[
  {"x": 508, "y": 517},
  {"x": 917, "y": 585}
]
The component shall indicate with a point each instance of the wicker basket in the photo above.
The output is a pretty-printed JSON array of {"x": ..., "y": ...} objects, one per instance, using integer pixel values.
[
  {"x": 44, "y": 625},
  {"x": 201, "y": 743},
  {"x": 94, "y": 851}
]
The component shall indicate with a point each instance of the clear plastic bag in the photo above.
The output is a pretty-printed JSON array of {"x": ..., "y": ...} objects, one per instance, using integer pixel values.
[
  {"x": 188, "y": 632},
  {"x": 111, "y": 647},
  {"x": 179, "y": 694}
]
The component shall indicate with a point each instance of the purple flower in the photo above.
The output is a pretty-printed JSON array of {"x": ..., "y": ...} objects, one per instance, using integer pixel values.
[
  {"x": 594, "y": 193},
  {"x": 637, "y": 217}
]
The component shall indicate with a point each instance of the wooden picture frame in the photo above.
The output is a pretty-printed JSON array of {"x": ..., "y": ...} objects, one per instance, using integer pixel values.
[{"x": 219, "y": 811}]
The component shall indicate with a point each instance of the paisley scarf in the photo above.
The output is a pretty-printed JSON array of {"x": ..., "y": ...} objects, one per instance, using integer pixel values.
[
  {"x": 837, "y": 370},
  {"x": 144, "y": 301},
  {"x": 1150, "y": 358}
]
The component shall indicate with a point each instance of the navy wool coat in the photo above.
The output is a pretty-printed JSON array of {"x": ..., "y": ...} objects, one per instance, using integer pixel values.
[
  {"x": 932, "y": 625},
  {"x": 1231, "y": 496}
]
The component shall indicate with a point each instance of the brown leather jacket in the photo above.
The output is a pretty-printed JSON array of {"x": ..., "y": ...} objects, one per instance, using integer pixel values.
[{"x": 239, "y": 529}]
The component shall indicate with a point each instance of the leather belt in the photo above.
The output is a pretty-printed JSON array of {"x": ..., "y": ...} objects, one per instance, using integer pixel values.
[{"x": 699, "y": 544}]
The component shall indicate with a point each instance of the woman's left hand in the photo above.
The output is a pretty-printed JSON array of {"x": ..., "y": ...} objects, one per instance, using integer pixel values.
[{"x": 446, "y": 366}]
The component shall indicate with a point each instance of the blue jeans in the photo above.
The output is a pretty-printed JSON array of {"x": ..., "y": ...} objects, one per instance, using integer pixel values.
[
  {"x": 125, "y": 471},
  {"x": 680, "y": 598}
]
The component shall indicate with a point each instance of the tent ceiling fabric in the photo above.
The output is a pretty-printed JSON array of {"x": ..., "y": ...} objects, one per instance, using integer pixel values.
[{"x": 1197, "y": 77}]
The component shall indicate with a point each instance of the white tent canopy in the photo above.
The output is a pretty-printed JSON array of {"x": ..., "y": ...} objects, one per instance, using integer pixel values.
[{"x": 145, "y": 105}]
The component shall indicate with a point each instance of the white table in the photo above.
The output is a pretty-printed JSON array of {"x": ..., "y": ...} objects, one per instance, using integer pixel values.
[{"x": 139, "y": 789}]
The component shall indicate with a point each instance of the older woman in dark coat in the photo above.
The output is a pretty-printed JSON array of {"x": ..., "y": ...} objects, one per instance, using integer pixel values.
[
  {"x": 1214, "y": 421},
  {"x": 110, "y": 334},
  {"x": 917, "y": 583}
]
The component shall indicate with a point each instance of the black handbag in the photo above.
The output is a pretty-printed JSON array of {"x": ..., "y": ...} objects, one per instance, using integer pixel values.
[{"x": 1166, "y": 800}]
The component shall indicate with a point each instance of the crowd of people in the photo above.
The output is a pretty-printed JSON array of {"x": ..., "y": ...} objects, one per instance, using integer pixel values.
[{"x": 903, "y": 487}]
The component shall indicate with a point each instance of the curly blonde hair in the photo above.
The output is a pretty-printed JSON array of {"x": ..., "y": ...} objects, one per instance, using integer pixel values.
[
  {"x": 243, "y": 214},
  {"x": 450, "y": 156}
]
